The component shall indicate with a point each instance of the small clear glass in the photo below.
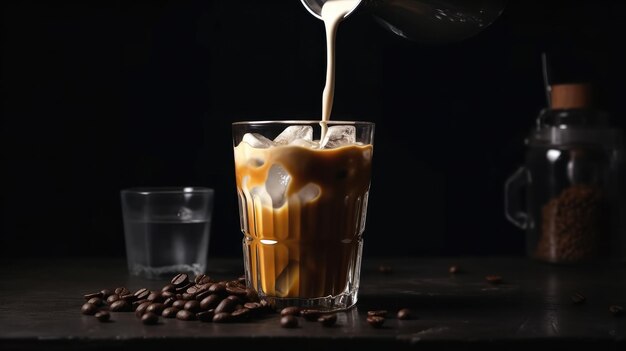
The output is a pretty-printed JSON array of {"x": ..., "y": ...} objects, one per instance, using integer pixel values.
[
  {"x": 167, "y": 230},
  {"x": 302, "y": 208}
]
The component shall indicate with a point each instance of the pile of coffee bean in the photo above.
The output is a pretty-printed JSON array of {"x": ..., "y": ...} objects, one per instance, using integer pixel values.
[
  {"x": 288, "y": 317},
  {"x": 202, "y": 299},
  {"x": 375, "y": 318}
]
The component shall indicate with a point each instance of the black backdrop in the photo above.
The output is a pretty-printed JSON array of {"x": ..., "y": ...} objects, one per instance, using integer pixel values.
[{"x": 102, "y": 95}]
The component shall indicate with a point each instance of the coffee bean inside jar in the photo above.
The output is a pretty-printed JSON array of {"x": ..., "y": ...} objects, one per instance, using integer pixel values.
[{"x": 574, "y": 225}]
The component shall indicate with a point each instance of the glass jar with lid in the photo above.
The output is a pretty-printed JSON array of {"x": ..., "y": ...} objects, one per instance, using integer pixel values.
[{"x": 569, "y": 195}]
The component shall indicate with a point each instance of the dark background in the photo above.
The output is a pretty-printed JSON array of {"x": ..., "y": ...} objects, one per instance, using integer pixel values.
[{"x": 102, "y": 95}]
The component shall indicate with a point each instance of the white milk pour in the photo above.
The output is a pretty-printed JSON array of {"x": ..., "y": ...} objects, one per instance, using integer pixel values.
[{"x": 333, "y": 12}]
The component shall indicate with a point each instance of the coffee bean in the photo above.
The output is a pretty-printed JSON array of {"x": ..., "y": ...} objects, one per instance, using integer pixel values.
[
  {"x": 169, "y": 302},
  {"x": 494, "y": 279},
  {"x": 120, "y": 306},
  {"x": 183, "y": 288},
  {"x": 141, "y": 309},
  {"x": 375, "y": 321},
  {"x": 185, "y": 315},
  {"x": 155, "y": 297},
  {"x": 252, "y": 306},
  {"x": 290, "y": 311},
  {"x": 149, "y": 318},
  {"x": 242, "y": 280},
  {"x": 240, "y": 314},
  {"x": 169, "y": 288},
  {"x": 199, "y": 278},
  {"x": 616, "y": 310},
  {"x": 91, "y": 296},
  {"x": 454, "y": 269},
  {"x": 203, "y": 287},
  {"x": 328, "y": 320},
  {"x": 187, "y": 296},
  {"x": 180, "y": 280},
  {"x": 225, "y": 305},
  {"x": 404, "y": 314},
  {"x": 234, "y": 298},
  {"x": 200, "y": 296},
  {"x": 234, "y": 284},
  {"x": 192, "y": 290},
  {"x": 210, "y": 301},
  {"x": 578, "y": 298},
  {"x": 180, "y": 304},
  {"x": 122, "y": 291},
  {"x": 103, "y": 316},
  {"x": 221, "y": 317},
  {"x": 170, "y": 312},
  {"x": 289, "y": 321},
  {"x": 142, "y": 294},
  {"x": 218, "y": 288},
  {"x": 205, "y": 316},
  {"x": 89, "y": 309},
  {"x": 167, "y": 294},
  {"x": 310, "y": 314},
  {"x": 128, "y": 298},
  {"x": 136, "y": 304},
  {"x": 237, "y": 291},
  {"x": 156, "y": 308},
  {"x": 192, "y": 306},
  {"x": 96, "y": 301},
  {"x": 385, "y": 269},
  {"x": 112, "y": 298},
  {"x": 106, "y": 293},
  {"x": 379, "y": 313}
]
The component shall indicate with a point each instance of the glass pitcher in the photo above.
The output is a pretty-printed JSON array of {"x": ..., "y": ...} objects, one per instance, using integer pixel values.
[
  {"x": 569, "y": 195},
  {"x": 428, "y": 21}
]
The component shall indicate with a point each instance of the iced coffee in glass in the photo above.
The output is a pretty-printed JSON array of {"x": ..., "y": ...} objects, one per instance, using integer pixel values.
[{"x": 303, "y": 193}]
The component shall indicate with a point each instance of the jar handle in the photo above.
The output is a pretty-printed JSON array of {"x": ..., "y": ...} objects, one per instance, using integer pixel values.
[{"x": 512, "y": 198}]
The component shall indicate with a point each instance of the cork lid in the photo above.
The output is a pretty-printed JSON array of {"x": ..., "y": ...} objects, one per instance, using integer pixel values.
[{"x": 566, "y": 96}]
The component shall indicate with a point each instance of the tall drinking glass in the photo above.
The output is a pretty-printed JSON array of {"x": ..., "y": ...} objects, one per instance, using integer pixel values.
[{"x": 302, "y": 204}]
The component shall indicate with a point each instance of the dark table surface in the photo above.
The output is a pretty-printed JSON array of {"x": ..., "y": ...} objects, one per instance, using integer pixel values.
[{"x": 40, "y": 308}]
